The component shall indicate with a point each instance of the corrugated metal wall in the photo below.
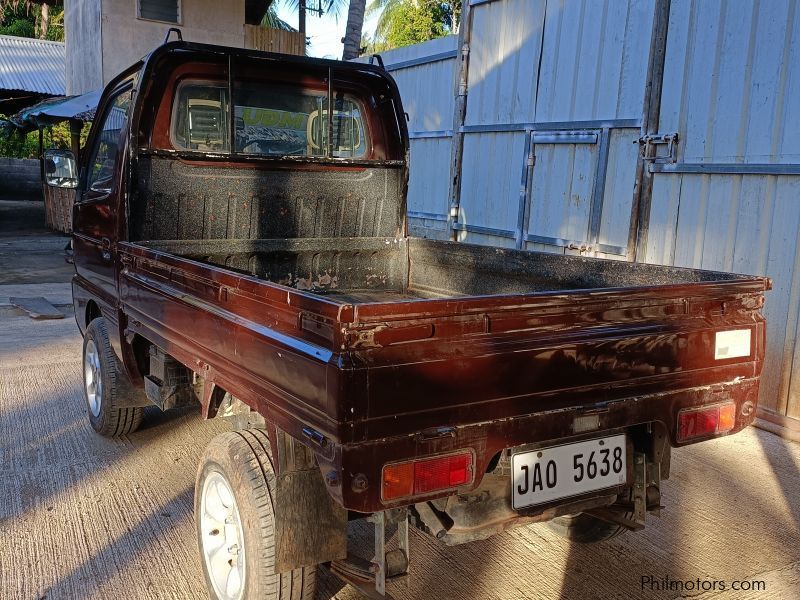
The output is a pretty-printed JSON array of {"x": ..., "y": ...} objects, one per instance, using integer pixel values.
[
  {"x": 554, "y": 104},
  {"x": 732, "y": 200},
  {"x": 425, "y": 75},
  {"x": 555, "y": 101}
]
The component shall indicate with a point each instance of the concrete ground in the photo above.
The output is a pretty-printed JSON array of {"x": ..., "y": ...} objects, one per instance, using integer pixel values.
[
  {"x": 31, "y": 258},
  {"x": 21, "y": 217},
  {"x": 86, "y": 517}
]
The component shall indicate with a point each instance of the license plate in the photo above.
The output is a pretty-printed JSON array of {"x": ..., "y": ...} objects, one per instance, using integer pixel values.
[{"x": 557, "y": 472}]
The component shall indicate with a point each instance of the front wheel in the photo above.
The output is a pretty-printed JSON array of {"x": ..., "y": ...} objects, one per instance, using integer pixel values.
[
  {"x": 106, "y": 387},
  {"x": 235, "y": 520}
]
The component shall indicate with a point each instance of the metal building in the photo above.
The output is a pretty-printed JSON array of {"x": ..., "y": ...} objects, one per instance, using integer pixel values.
[
  {"x": 30, "y": 70},
  {"x": 661, "y": 131}
]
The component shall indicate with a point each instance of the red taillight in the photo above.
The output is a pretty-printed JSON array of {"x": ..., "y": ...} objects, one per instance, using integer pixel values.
[
  {"x": 705, "y": 421},
  {"x": 424, "y": 476}
]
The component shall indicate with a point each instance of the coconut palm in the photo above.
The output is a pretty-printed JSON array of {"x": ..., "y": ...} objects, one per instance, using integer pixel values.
[
  {"x": 321, "y": 7},
  {"x": 355, "y": 19},
  {"x": 352, "y": 33},
  {"x": 271, "y": 19},
  {"x": 391, "y": 10}
]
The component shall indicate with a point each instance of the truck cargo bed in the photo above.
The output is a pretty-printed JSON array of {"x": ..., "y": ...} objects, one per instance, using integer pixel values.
[
  {"x": 381, "y": 270},
  {"x": 498, "y": 346}
]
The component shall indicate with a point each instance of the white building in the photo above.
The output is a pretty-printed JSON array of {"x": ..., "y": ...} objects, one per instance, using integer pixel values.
[{"x": 103, "y": 37}]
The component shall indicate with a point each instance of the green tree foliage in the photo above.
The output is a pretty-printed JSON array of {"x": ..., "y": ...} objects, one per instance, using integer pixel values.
[
  {"x": 17, "y": 21},
  {"x": 26, "y": 19},
  {"x": 19, "y": 145},
  {"x": 416, "y": 23},
  {"x": 406, "y": 22}
]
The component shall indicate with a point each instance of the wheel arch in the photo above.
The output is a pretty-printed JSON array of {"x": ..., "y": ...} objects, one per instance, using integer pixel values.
[{"x": 91, "y": 313}]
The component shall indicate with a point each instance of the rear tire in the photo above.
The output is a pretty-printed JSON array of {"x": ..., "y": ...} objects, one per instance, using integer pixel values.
[
  {"x": 106, "y": 385},
  {"x": 235, "y": 521}
]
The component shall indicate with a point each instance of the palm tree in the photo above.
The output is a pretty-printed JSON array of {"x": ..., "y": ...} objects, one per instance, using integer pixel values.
[
  {"x": 389, "y": 10},
  {"x": 271, "y": 19},
  {"x": 335, "y": 7},
  {"x": 355, "y": 19},
  {"x": 352, "y": 34}
]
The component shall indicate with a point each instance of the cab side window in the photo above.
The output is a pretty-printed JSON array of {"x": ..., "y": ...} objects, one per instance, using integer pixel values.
[{"x": 103, "y": 161}]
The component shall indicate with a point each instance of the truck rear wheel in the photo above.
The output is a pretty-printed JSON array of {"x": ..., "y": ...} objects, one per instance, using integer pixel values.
[
  {"x": 585, "y": 529},
  {"x": 106, "y": 387},
  {"x": 235, "y": 520}
]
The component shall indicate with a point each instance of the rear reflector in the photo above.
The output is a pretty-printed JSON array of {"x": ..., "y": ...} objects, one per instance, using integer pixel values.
[
  {"x": 705, "y": 421},
  {"x": 414, "y": 478},
  {"x": 731, "y": 344}
]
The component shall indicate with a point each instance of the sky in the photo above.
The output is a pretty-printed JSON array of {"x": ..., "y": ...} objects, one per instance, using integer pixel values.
[{"x": 326, "y": 32}]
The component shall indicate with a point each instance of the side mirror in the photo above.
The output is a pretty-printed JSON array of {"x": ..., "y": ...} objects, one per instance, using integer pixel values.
[{"x": 60, "y": 169}]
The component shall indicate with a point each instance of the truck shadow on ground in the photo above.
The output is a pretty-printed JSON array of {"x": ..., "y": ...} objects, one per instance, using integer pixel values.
[{"x": 83, "y": 513}]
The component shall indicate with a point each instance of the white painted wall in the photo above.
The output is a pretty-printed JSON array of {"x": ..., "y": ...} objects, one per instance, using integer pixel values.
[
  {"x": 428, "y": 90},
  {"x": 105, "y": 37},
  {"x": 84, "y": 61}
]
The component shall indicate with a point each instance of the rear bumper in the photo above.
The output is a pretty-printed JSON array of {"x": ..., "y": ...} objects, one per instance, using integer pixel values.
[{"x": 353, "y": 471}]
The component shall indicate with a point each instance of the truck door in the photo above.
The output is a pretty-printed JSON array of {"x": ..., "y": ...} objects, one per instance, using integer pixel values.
[{"x": 95, "y": 216}]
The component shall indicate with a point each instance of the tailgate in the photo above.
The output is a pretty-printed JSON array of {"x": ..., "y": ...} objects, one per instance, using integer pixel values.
[{"x": 453, "y": 362}]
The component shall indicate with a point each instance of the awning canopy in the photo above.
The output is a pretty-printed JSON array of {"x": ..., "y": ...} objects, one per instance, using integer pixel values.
[{"x": 54, "y": 110}]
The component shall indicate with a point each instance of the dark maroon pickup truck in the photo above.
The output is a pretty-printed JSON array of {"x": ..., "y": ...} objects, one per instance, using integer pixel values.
[{"x": 240, "y": 242}]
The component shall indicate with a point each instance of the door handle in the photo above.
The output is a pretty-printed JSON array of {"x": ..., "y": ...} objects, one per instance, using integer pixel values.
[{"x": 105, "y": 245}]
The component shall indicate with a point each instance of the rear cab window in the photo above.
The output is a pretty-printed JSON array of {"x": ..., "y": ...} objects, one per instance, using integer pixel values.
[
  {"x": 199, "y": 117},
  {"x": 269, "y": 119}
]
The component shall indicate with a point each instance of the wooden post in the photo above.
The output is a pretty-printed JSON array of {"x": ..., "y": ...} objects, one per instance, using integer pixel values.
[
  {"x": 75, "y": 128},
  {"x": 459, "y": 115},
  {"x": 301, "y": 19},
  {"x": 643, "y": 186},
  {"x": 41, "y": 154}
]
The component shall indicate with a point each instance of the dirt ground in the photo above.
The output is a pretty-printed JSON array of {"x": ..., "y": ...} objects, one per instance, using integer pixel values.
[{"x": 86, "y": 517}]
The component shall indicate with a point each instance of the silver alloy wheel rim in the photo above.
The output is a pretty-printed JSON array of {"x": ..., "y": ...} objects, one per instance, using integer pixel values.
[
  {"x": 221, "y": 537},
  {"x": 92, "y": 378}
]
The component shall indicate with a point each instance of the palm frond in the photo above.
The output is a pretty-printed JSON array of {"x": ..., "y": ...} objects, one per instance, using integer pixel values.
[
  {"x": 334, "y": 7},
  {"x": 376, "y": 6},
  {"x": 271, "y": 19}
]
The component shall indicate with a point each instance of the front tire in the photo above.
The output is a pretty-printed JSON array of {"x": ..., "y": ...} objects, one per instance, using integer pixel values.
[
  {"x": 235, "y": 521},
  {"x": 106, "y": 386}
]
